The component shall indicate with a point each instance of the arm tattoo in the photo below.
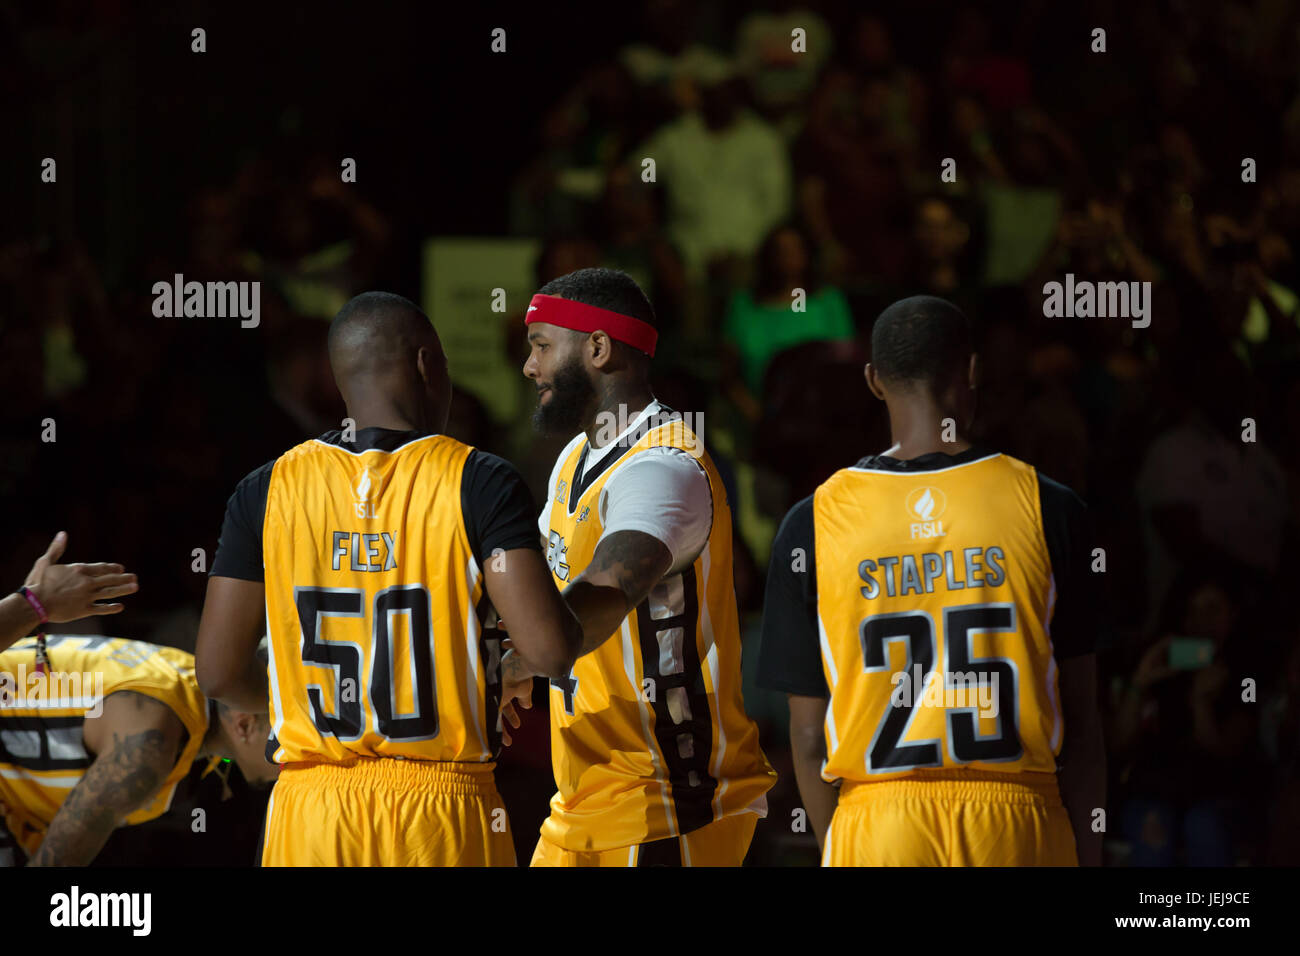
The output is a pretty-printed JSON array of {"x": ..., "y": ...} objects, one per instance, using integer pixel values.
[
  {"x": 634, "y": 565},
  {"x": 513, "y": 670},
  {"x": 119, "y": 782}
]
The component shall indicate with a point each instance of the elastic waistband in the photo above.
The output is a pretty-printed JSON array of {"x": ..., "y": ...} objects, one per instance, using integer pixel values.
[
  {"x": 371, "y": 772},
  {"x": 971, "y": 785}
]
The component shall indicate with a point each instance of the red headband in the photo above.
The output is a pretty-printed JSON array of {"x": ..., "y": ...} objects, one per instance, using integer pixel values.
[{"x": 581, "y": 317}]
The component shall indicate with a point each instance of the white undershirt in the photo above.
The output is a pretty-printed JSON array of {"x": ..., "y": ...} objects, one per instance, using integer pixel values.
[{"x": 662, "y": 492}]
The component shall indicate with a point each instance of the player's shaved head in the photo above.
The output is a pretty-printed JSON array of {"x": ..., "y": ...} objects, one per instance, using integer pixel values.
[
  {"x": 921, "y": 341},
  {"x": 376, "y": 331},
  {"x": 386, "y": 357}
]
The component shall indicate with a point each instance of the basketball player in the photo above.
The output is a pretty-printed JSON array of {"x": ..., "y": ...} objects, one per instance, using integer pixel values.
[
  {"x": 655, "y": 760},
  {"x": 99, "y": 738},
  {"x": 62, "y": 592},
  {"x": 371, "y": 558},
  {"x": 928, "y": 611}
]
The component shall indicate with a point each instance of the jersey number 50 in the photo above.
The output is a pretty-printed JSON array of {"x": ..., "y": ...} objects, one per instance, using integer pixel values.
[{"x": 347, "y": 722}]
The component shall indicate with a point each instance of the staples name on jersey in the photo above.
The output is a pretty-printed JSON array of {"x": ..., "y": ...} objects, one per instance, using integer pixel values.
[
  {"x": 356, "y": 546},
  {"x": 917, "y": 574}
]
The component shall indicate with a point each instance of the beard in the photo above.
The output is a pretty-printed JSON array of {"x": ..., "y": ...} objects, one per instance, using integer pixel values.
[{"x": 571, "y": 395}]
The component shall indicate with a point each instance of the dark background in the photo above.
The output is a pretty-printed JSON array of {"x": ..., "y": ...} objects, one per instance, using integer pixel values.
[{"x": 1124, "y": 165}]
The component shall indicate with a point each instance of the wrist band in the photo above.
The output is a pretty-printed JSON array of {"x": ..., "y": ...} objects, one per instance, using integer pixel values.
[{"x": 37, "y": 606}]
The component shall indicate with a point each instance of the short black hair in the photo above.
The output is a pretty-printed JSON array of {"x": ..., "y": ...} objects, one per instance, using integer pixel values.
[
  {"x": 606, "y": 289},
  {"x": 922, "y": 339},
  {"x": 370, "y": 309},
  {"x": 374, "y": 330}
]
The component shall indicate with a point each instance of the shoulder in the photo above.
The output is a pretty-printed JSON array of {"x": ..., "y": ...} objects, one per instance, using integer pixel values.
[
  {"x": 665, "y": 462},
  {"x": 483, "y": 466},
  {"x": 127, "y": 714},
  {"x": 259, "y": 476},
  {"x": 1058, "y": 497},
  {"x": 797, "y": 525}
]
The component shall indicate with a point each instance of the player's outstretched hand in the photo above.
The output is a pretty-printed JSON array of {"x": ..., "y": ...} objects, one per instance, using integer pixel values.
[
  {"x": 516, "y": 685},
  {"x": 70, "y": 591}
]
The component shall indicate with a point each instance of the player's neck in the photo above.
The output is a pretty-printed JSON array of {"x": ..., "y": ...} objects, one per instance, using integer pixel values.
[
  {"x": 925, "y": 431},
  {"x": 620, "y": 403},
  {"x": 214, "y": 742},
  {"x": 387, "y": 417}
]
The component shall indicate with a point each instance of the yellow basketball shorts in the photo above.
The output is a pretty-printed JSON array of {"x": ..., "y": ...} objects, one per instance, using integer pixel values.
[
  {"x": 720, "y": 843},
  {"x": 386, "y": 812},
  {"x": 952, "y": 818}
]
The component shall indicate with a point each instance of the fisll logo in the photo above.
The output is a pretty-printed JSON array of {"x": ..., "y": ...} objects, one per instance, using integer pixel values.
[
  {"x": 925, "y": 505},
  {"x": 366, "y": 490}
]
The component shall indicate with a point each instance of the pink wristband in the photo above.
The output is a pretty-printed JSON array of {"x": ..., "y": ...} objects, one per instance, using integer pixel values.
[{"x": 36, "y": 605}]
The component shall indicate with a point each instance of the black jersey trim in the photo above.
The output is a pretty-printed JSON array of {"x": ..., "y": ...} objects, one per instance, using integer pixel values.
[
  {"x": 692, "y": 805},
  {"x": 934, "y": 461},
  {"x": 374, "y": 439},
  {"x": 580, "y": 482}
]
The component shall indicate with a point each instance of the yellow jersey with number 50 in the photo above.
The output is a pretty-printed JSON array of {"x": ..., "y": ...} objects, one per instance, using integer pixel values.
[{"x": 372, "y": 587}]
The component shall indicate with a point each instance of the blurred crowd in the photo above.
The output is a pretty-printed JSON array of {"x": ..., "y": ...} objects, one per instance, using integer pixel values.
[{"x": 731, "y": 176}]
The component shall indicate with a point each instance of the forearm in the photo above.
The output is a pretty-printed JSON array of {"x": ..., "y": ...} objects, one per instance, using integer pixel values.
[
  {"x": 17, "y": 619},
  {"x": 1083, "y": 791},
  {"x": 248, "y": 691},
  {"x": 76, "y": 836},
  {"x": 1125, "y": 723},
  {"x": 120, "y": 781},
  {"x": 601, "y": 610},
  {"x": 819, "y": 797}
]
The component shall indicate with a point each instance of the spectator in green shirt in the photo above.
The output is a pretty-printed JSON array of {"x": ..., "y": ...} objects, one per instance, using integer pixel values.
[{"x": 762, "y": 322}]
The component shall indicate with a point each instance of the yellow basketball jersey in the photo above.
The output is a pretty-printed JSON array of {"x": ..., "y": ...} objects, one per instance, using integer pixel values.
[
  {"x": 42, "y": 753},
  {"x": 371, "y": 590},
  {"x": 649, "y": 735},
  {"x": 934, "y": 597}
]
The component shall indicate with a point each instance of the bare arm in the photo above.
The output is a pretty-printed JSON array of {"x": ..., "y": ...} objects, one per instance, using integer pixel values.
[
  {"x": 225, "y": 657},
  {"x": 808, "y": 748},
  {"x": 136, "y": 740},
  {"x": 625, "y": 567},
  {"x": 520, "y": 588},
  {"x": 1083, "y": 774}
]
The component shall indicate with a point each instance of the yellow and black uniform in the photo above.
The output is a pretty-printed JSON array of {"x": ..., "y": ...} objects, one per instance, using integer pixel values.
[
  {"x": 42, "y": 750},
  {"x": 939, "y": 597},
  {"x": 655, "y": 760},
  {"x": 384, "y": 686}
]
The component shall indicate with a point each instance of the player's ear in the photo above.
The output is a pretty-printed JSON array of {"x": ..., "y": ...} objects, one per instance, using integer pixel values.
[
  {"x": 424, "y": 364},
  {"x": 600, "y": 348},
  {"x": 246, "y": 727},
  {"x": 873, "y": 382}
]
